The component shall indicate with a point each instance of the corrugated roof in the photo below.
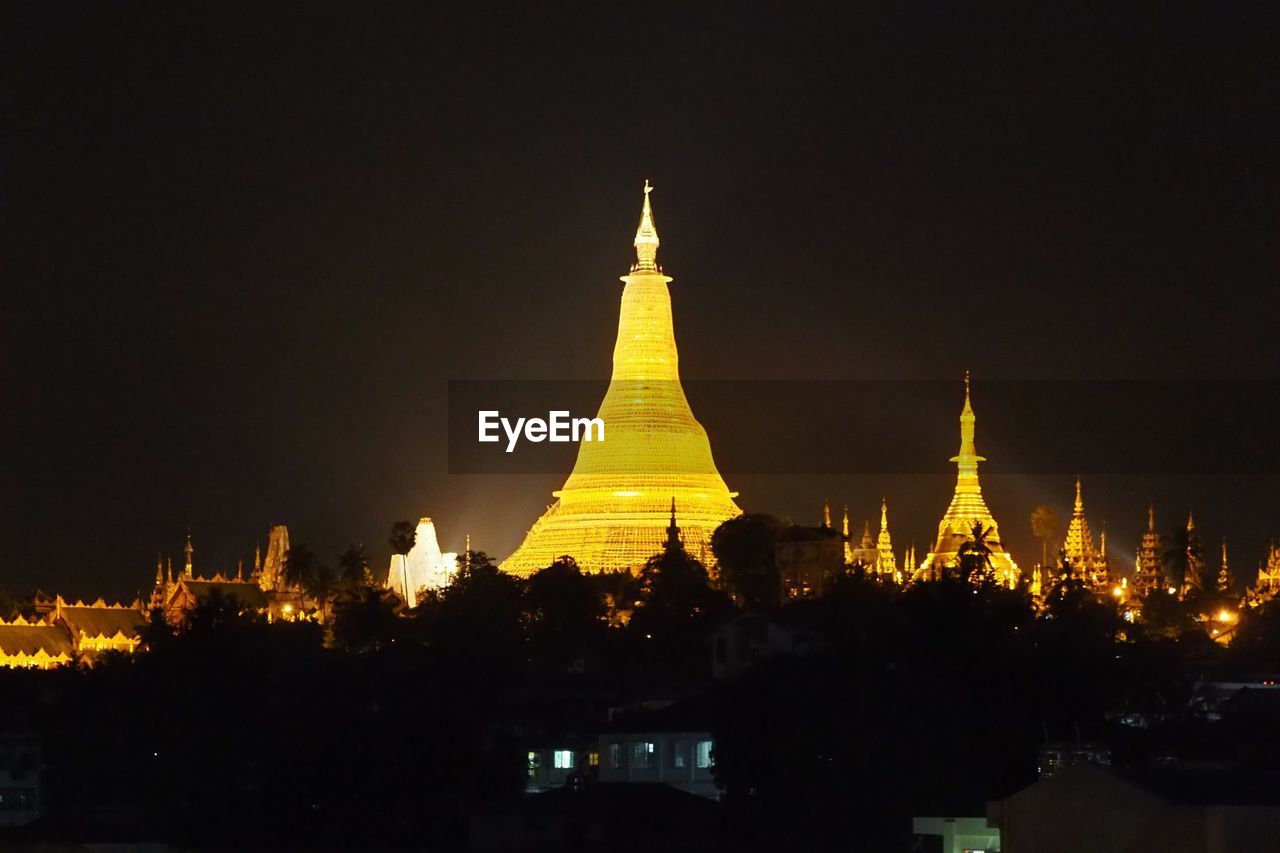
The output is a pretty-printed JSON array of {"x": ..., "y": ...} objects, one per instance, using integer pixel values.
[
  {"x": 103, "y": 621},
  {"x": 30, "y": 639}
]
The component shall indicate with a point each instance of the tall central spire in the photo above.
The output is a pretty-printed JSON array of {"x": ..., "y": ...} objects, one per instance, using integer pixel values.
[
  {"x": 613, "y": 511},
  {"x": 646, "y": 238}
]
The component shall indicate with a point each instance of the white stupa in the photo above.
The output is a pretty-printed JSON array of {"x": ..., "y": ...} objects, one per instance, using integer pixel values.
[{"x": 424, "y": 567}]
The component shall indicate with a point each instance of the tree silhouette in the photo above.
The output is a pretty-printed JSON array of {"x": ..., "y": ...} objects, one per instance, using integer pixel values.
[
  {"x": 974, "y": 557},
  {"x": 353, "y": 568},
  {"x": 1044, "y": 526},
  {"x": 744, "y": 550},
  {"x": 300, "y": 565},
  {"x": 565, "y": 612},
  {"x": 366, "y": 621}
]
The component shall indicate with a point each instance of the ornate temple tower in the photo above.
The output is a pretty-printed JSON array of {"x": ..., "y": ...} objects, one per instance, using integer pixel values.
[
  {"x": 1224, "y": 571},
  {"x": 1194, "y": 578},
  {"x": 886, "y": 563},
  {"x": 1148, "y": 576},
  {"x": 1088, "y": 562},
  {"x": 271, "y": 575},
  {"x": 967, "y": 508},
  {"x": 612, "y": 513}
]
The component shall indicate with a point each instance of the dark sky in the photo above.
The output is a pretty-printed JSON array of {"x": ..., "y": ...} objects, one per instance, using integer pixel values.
[{"x": 244, "y": 246}]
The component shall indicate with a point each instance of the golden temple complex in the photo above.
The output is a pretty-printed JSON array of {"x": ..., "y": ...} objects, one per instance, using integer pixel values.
[
  {"x": 613, "y": 511},
  {"x": 967, "y": 509}
]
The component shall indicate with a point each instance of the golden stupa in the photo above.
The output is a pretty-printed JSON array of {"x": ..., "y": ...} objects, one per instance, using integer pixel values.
[
  {"x": 967, "y": 508},
  {"x": 614, "y": 510}
]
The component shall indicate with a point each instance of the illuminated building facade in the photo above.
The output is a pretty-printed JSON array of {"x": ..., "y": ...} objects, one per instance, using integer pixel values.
[
  {"x": 967, "y": 509},
  {"x": 70, "y": 632},
  {"x": 611, "y": 514},
  {"x": 809, "y": 559},
  {"x": 425, "y": 567},
  {"x": 264, "y": 591},
  {"x": 1088, "y": 561}
]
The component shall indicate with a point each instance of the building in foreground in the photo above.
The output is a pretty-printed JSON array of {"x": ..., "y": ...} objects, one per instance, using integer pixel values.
[
  {"x": 1089, "y": 809},
  {"x": 611, "y": 514}
]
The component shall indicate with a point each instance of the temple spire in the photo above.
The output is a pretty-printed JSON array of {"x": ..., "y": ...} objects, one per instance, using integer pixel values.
[
  {"x": 826, "y": 514},
  {"x": 967, "y": 459},
  {"x": 1151, "y": 518},
  {"x": 844, "y": 526},
  {"x": 189, "y": 550},
  {"x": 884, "y": 514},
  {"x": 673, "y": 530},
  {"x": 159, "y": 570},
  {"x": 1079, "y": 501},
  {"x": 646, "y": 237}
]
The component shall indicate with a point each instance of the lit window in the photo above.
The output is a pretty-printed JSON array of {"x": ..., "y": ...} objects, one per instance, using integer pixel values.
[
  {"x": 593, "y": 759},
  {"x": 563, "y": 759},
  {"x": 703, "y": 754},
  {"x": 535, "y": 762},
  {"x": 642, "y": 753}
]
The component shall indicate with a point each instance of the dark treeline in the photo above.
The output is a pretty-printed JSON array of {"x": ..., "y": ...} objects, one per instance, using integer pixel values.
[{"x": 388, "y": 729}]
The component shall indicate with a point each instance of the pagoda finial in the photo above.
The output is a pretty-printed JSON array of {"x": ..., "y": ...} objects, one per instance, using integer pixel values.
[
  {"x": 646, "y": 242},
  {"x": 159, "y": 570},
  {"x": 826, "y": 514},
  {"x": 1079, "y": 500},
  {"x": 968, "y": 457},
  {"x": 1151, "y": 517},
  {"x": 844, "y": 526},
  {"x": 1191, "y": 520},
  {"x": 673, "y": 530},
  {"x": 188, "y": 550},
  {"x": 884, "y": 514},
  {"x": 168, "y": 563}
]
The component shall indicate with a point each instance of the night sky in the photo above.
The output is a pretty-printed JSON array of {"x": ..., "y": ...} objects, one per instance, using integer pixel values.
[{"x": 244, "y": 248}]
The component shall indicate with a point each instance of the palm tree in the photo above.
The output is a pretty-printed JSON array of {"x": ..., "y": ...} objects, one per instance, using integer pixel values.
[
  {"x": 975, "y": 557},
  {"x": 403, "y": 536},
  {"x": 353, "y": 568},
  {"x": 1044, "y": 526},
  {"x": 300, "y": 565}
]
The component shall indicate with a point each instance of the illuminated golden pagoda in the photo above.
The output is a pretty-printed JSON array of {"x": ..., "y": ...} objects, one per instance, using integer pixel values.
[
  {"x": 614, "y": 510},
  {"x": 967, "y": 508},
  {"x": 1088, "y": 560},
  {"x": 886, "y": 563}
]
